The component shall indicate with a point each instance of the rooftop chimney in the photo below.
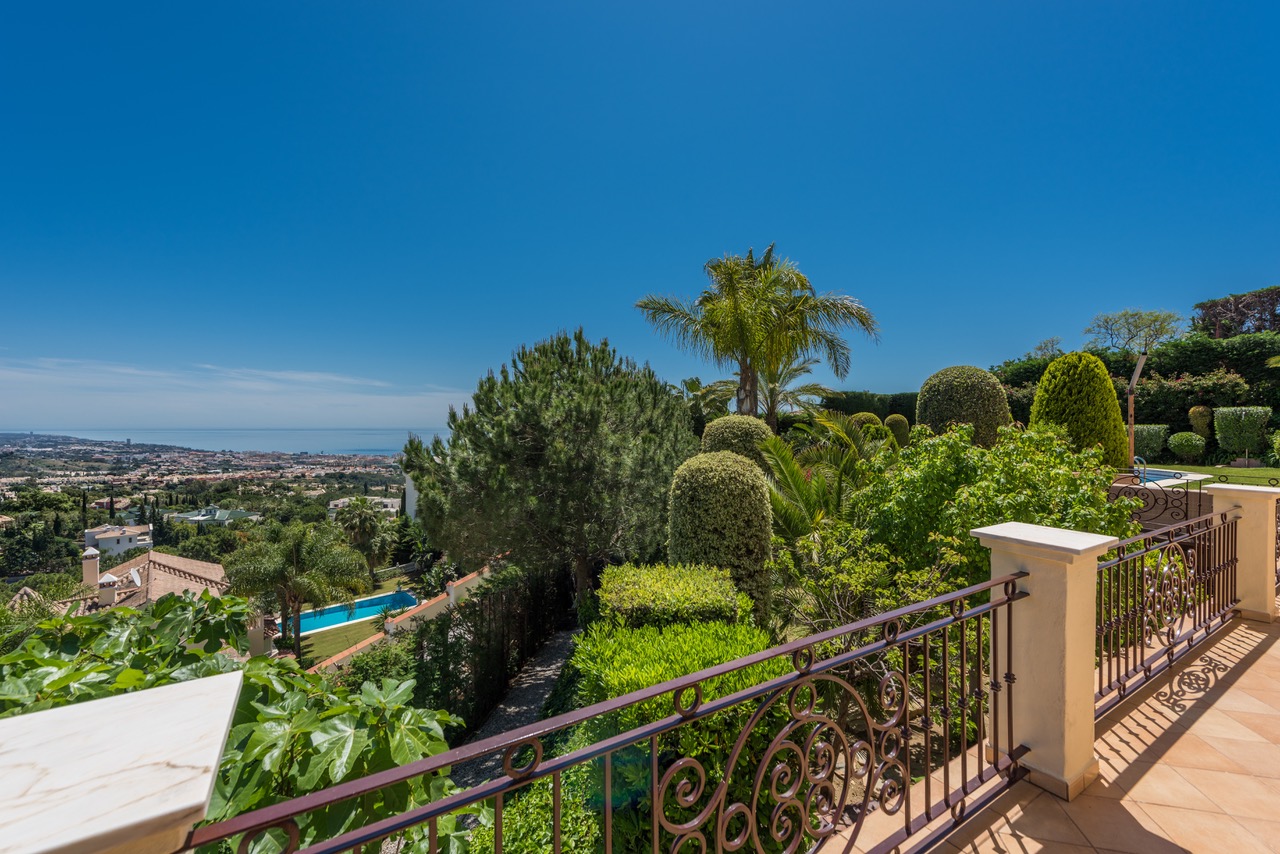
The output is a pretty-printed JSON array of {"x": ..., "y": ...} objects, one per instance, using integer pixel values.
[
  {"x": 107, "y": 595},
  {"x": 89, "y": 567}
]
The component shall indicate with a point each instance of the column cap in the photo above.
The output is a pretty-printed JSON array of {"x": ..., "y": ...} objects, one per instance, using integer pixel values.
[
  {"x": 1243, "y": 489},
  {"x": 1044, "y": 538}
]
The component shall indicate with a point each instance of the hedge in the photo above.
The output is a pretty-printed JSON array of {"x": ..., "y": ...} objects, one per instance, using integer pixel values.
[
  {"x": 1188, "y": 447},
  {"x": 883, "y": 405},
  {"x": 720, "y": 516},
  {"x": 740, "y": 434},
  {"x": 663, "y": 595},
  {"x": 964, "y": 394},
  {"x": 1148, "y": 440},
  {"x": 1241, "y": 429},
  {"x": 1201, "y": 418},
  {"x": 900, "y": 428}
]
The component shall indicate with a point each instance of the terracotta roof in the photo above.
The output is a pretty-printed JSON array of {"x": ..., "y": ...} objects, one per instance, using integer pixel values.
[{"x": 160, "y": 574}]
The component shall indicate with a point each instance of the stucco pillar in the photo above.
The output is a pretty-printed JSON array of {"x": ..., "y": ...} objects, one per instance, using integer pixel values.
[
  {"x": 257, "y": 635},
  {"x": 1055, "y": 636},
  {"x": 1255, "y": 545}
]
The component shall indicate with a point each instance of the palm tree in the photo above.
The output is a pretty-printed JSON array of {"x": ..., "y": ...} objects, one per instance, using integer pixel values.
[
  {"x": 362, "y": 522},
  {"x": 780, "y": 389},
  {"x": 759, "y": 313},
  {"x": 304, "y": 564}
]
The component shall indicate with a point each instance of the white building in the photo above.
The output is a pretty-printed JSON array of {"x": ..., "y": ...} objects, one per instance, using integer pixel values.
[
  {"x": 390, "y": 506},
  {"x": 114, "y": 539}
]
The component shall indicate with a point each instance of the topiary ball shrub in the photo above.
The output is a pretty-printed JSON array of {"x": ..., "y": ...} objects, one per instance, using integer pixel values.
[
  {"x": 720, "y": 516},
  {"x": 1076, "y": 392},
  {"x": 964, "y": 395},
  {"x": 863, "y": 419},
  {"x": 740, "y": 434},
  {"x": 1241, "y": 429},
  {"x": 901, "y": 430},
  {"x": 880, "y": 433},
  {"x": 661, "y": 595},
  {"x": 1187, "y": 447},
  {"x": 1201, "y": 418},
  {"x": 1148, "y": 440}
]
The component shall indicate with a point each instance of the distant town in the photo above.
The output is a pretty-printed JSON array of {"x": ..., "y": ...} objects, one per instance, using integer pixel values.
[{"x": 53, "y": 463}]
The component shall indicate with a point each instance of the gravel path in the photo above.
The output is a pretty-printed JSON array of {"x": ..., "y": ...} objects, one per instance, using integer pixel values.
[{"x": 522, "y": 705}]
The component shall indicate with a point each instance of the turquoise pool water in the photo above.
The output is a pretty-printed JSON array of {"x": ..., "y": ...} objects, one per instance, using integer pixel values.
[{"x": 336, "y": 615}]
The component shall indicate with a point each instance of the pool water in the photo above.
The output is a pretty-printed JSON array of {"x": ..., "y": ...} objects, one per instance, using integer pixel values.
[
  {"x": 1153, "y": 475},
  {"x": 336, "y": 615}
]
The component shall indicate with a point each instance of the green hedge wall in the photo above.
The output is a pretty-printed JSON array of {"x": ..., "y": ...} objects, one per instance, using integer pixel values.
[
  {"x": 883, "y": 405},
  {"x": 1148, "y": 440},
  {"x": 661, "y": 595},
  {"x": 1241, "y": 429}
]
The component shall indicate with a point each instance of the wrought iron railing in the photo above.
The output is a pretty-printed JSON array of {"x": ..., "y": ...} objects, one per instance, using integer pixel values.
[
  {"x": 1159, "y": 595},
  {"x": 1278, "y": 545},
  {"x": 891, "y": 727},
  {"x": 1164, "y": 497}
]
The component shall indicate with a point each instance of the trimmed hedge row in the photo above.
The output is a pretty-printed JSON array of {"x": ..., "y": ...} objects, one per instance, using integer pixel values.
[{"x": 662, "y": 595}]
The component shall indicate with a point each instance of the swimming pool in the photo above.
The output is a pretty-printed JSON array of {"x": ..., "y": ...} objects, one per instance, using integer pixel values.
[{"x": 337, "y": 615}]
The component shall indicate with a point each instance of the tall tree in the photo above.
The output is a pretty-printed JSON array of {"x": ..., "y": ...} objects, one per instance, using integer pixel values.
[
  {"x": 758, "y": 313},
  {"x": 302, "y": 564},
  {"x": 1132, "y": 329},
  {"x": 563, "y": 460},
  {"x": 361, "y": 520}
]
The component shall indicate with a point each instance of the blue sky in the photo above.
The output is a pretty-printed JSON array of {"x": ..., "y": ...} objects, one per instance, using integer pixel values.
[{"x": 308, "y": 214}]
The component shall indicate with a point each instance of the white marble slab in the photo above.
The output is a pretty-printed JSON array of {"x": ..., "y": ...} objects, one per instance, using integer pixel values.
[{"x": 127, "y": 773}]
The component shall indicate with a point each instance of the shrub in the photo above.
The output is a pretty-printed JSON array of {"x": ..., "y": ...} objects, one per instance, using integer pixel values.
[
  {"x": 1020, "y": 399},
  {"x": 1241, "y": 429},
  {"x": 964, "y": 395},
  {"x": 880, "y": 433},
  {"x": 1275, "y": 444},
  {"x": 740, "y": 434},
  {"x": 862, "y": 419},
  {"x": 720, "y": 516},
  {"x": 1187, "y": 447},
  {"x": 1076, "y": 392},
  {"x": 1167, "y": 399},
  {"x": 662, "y": 595},
  {"x": 939, "y": 489},
  {"x": 901, "y": 430},
  {"x": 392, "y": 658},
  {"x": 1148, "y": 440},
  {"x": 1201, "y": 418}
]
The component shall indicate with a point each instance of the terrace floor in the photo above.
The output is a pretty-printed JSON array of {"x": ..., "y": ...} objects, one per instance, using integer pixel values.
[{"x": 1190, "y": 763}]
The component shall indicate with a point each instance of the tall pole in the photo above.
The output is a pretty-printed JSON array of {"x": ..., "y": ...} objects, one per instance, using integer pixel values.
[{"x": 1133, "y": 386}]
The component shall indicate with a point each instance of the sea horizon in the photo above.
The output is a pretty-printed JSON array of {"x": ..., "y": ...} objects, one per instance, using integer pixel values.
[{"x": 374, "y": 441}]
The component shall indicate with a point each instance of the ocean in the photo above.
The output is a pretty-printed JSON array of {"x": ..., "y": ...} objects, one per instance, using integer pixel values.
[{"x": 355, "y": 440}]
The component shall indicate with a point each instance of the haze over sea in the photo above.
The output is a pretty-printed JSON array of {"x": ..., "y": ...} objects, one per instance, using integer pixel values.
[{"x": 382, "y": 441}]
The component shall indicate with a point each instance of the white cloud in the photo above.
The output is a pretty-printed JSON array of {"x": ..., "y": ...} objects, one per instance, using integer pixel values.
[{"x": 66, "y": 393}]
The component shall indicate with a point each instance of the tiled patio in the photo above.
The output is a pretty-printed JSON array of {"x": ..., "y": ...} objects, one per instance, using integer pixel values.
[{"x": 1191, "y": 763}]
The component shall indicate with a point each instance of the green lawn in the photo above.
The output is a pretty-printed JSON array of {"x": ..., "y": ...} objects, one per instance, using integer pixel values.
[
  {"x": 321, "y": 645},
  {"x": 1257, "y": 477}
]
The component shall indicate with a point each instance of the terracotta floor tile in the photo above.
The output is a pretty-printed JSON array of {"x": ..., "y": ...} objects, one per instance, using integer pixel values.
[
  {"x": 1266, "y": 832},
  {"x": 1267, "y": 726},
  {"x": 1000, "y": 843},
  {"x": 1242, "y": 795},
  {"x": 1215, "y": 724},
  {"x": 1191, "y": 751},
  {"x": 1119, "y": 825},
  {"x": 1269, "y": 696},
  {"x": 1240, "y": 700},
  {"x": 1253, "y": 757},
  {"x": 1149, "y": 783},
  {"x": 1200, "y": 831}
]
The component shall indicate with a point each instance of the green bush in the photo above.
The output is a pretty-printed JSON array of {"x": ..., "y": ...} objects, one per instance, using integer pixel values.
[
  {"x": 883, "y": 405},
  {"x": 964, "y": 395},
  {"x": 720, "y": 516},
  {"x": 1161, "y": 399},
  {"x": 1187, "y": 447},
  {"x": 1076, "y": 392},
  {"x": 880, "y": 433},
  {"x": 862, "y": 419},
  {"x": 1148, "y": 440},
  {"x": 1201, "y": 418},
  {"x": 661, "y": 595},
  {"x": 900, "y": 428},
  {"x": 1275, "y": 444},
  {"x": 1241, "y": 429},
  {"x": 1020, "y": 399},
  {"x": 740, "y": 434}
]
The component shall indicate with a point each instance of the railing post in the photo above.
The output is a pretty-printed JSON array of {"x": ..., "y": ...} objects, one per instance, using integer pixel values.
[
  {"x": 1255, "y": 545},
  {"x": 1055, "y": 627}
]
